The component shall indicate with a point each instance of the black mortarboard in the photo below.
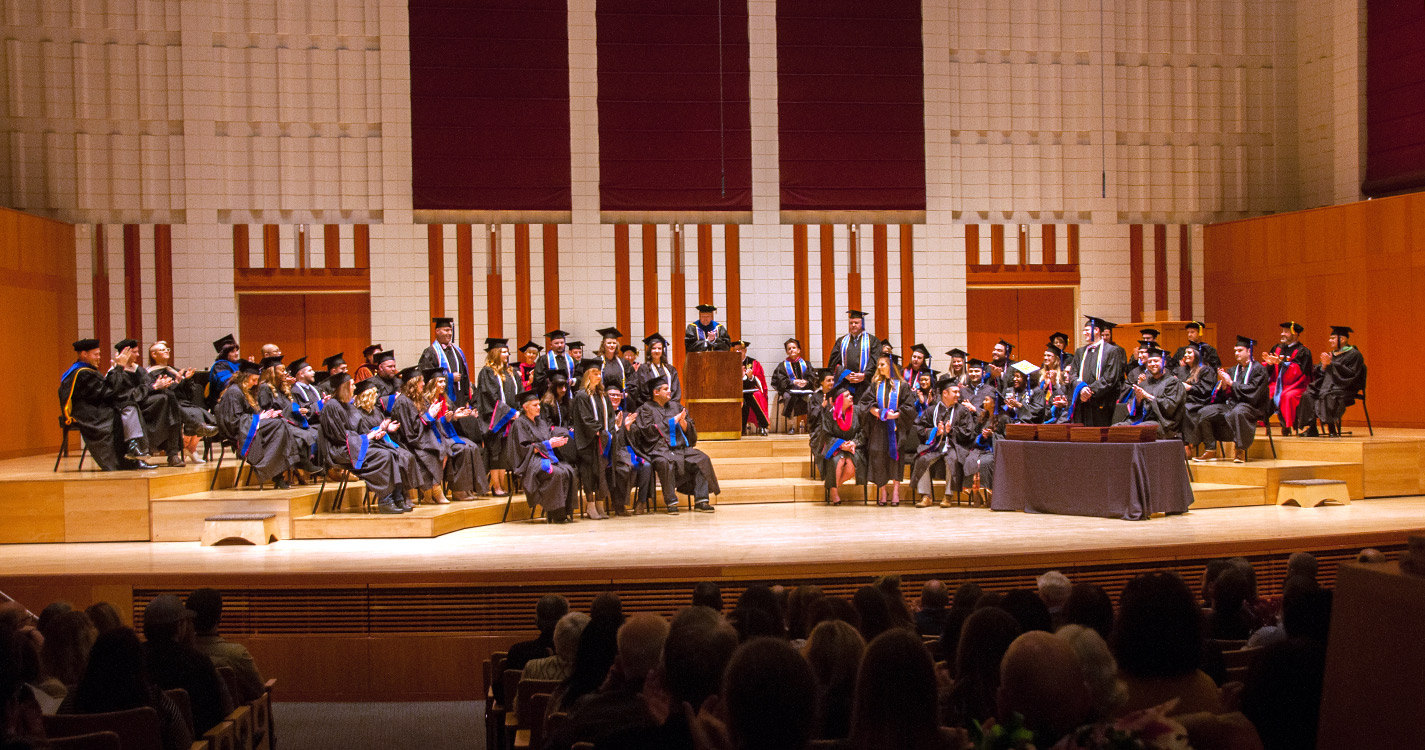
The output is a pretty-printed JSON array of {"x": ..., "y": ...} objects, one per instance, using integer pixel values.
[
  {"x": 575, "y": 344},
  {"x": 655, "y": 338},
  {"x": 224, "y": 343},
  {"x": 856, "y": 314},
  {"x": 385, "y": 355},
  {"x": 364, "y": 386},
  {"x": 1144, "y": 344},
  {"x": 84, "y": 345},
  {"x": 558, "y": 378},
  {"x": 1294, "y": 326},
  {"x": 334, "y": 361},
  {"x": 1100, "y": 322},
  {"x": 531, "y": 345},
  {"x": 1150, "y": 332},
  {"x": 655, "y": 382},
  {"x": 433, "y": 372},
  {"x": 527, "y": 397},
  {"x": 921, "y": 348},
  {"x": 370, "y": 350},
  {"x": 957, "y": 352},
  {"x": 705, "y": 307},
  {"x": 1156, "y": 352},
  {"x": 409, "y": 374},
  {"x": 297, "y": 366},
  {"x": 1244, "y": 341},
  {"x": 1199, "y": 325},
  {"x": 1008, "y": 347},
  {"x": 125, "y": 344},
  {"x": 270, "y": 362},
  {"x": 556, "y": 334},
  {"x": 743, "y": 343},
  {"x": 1059, "y": 335},
  {"x": 945, "y": 382},
  {"x": 1341, "y": 330},
  {"x": 1050, "y": 347},
  {"x": 628, "y": 348},
  {"x": 443, "y": 322},
  {"x": 610, "y": 333},
  {"x": 596, "y": 363},
  {"x": 337, "y": 381},
  {"x": 980, "y": 363},
  {"x": 249, "y": 368},
  {"x": 494, "y": 343}
]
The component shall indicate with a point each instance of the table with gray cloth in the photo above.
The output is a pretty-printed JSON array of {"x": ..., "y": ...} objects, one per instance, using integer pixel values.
[{"x": 1131, "y": 481}]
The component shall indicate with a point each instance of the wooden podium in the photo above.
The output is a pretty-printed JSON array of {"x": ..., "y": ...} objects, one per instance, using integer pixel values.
[{"x": 712, "y": 392}]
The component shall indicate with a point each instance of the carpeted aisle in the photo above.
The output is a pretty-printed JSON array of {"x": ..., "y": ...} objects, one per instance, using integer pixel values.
[{"x": 380, "y": 726}]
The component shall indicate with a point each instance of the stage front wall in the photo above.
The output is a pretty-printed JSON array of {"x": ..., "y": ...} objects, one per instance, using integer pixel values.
[{"x": 1358, "y": 264}]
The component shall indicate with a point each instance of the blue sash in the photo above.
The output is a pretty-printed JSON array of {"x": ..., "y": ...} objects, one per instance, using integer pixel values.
[
  {"x": 1074, "y": 397},
  {"x": 881, "y": 404},
  {"x": 633, "y": 457},
  {"x": 251, "y": 433},
  {"x": 445, "y": 363},
  {"x": 675, "y": 433},
  {"x": 390, "y": 403},
  {"x": 361, "y": 455},
  {"x": 497, "y": 425},
  {"x": 835, "y": 446}
]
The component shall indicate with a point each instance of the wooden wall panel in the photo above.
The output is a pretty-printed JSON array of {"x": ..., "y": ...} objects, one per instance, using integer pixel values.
[
  {"x": 1135, "y": 270},
  {"x": 435, "y": 269},
  {"x": 1359, "y": 264},
  {"x": 99, "y": 281},
  {"x": 972, "y": 244},
  {"x": 38, "y": 293},
  {"x": 678, "y": 282},
  {"x": 494, "y": 286},
  {"x": 732, "y": 258},
  {"x": 622, "y": 279},
  {"x": 990, "y": 315},
  {"x": 307, "y": 325},
  {"x": 1022, "y": 316},
  {"x": 271, "y": 246},
  {"x": 523, "y": 326},
  {"x": 241, "y": 258},
  {"x": 1160, "y": 266},
  {"x": 163, "y": 282},
  {"x": 650, "y": 279},
  {"x": 331, "y": 246},
  {"x": 907, "y": 257},
  {"x": 361, "y": 242},
  {"x": 550, "y": 239},
  {"x": 705, "y": 265},
  {"x": 465, "y": 287},
  {"x": 801, "y": 289},
  {"x": 829, "y": 317},
  {"x": 1185, "y": 311},
  {"x": 880, "y": 263},
  {"x": 133, "y": 283}
]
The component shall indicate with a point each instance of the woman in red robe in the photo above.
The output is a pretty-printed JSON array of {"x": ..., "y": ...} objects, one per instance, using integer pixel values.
[{"x": 754, "y": 391}]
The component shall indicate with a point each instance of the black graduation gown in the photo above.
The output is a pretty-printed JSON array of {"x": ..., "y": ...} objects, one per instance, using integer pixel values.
[
  {"x": 302, "y": 430},
  {"x": 792, "y": 397},
  {"x": 220, "y": 376},
  {"x": 440, "y": 452},
  {"x": 888, "y": 442},
  {"x": 559, "y": 413},
  {"x": 626, "y": 470},
  {"x": 1340, "y": 382},
  {"x": 816, "y": 404},
  {"x": 639, "y": 391},
  {"x": 831, "y": 435},
  {"x": 1245, "y": 400},
  {"x": 162, "y": 420},
  {"x": 310, "y": 398},
  {"x": 1198, "y": 394},
  {"x": 192, "y": 409},
  {"x": 384, "y": 387},
  {"x": 943, "y": 450},
  {"x": 1167, "y": 407},
  {"x": 854, "y": 354},
  {"x": 93, "y": 407},
  {"x": 974, "y": 395},
  {"x": 616, "y": 372},
  {"x": 593, "y": 438},
  {"x": 1206, "y": 353},
  {"x": 1031, "y": 405},
  {"x": 347, "y": 445},
  {"x": 712, "y": 339},
  {"x": 497, "y": 396},
  {"x": 460, "y": 390},
  {"x": 548, "y": 481},
  {"x": 551, "y": 362},
  {"x": 268, "y": 445},
  {"x": 406, "y": 468},
  {"x": 679, "y": 466},
  {"x": 1106, "y": 382}
]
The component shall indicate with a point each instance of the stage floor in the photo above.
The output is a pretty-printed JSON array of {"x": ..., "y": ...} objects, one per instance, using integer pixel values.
[{"x": 743, "y": 541}]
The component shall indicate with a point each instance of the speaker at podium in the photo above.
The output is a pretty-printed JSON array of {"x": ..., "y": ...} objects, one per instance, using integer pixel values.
[{"x": 712, "y": 393}]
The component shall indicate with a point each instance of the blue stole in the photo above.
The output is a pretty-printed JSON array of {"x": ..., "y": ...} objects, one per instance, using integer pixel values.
[
  {"x": 1074, "y": 397},
  {"x": 835, "y": 446},
  {"x": 845, "y": 343},
  {"x": 251, "y": 433},
  {"x": 675, "y": 434},
  {"x": 445, "y": 363},
  {"x": 72, "y": 368},
  {"x": 222, "y": 371},
  {"x": 881, "y": 404},
  {"x": 499, "y": 424},
  {"x": 552, "y": 362},
  {"x": 297, "y": 415},
  {"x": 360, "y": 457},
  {"x": 389, "y": 403}
]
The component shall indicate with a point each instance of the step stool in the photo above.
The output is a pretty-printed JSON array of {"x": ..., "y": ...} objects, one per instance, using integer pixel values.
[
  {"x": 1309, "y": 493},
  {"x": 252, "y": 528}
]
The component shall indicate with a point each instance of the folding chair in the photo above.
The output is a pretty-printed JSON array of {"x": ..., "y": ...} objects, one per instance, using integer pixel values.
[{"x": 64, "y": 445}]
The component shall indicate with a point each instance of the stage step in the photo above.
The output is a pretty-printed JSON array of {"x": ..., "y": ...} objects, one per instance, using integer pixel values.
[
  {"x": 424, "y": 522},
  {"x": 774, "y": 467},
  {"x": 1392, "y": 465},
  {"x": 790, "y": 446},
  {"x": 180, "y": 518},
  {"x": 1210, "y": 495},
  {"x": 1268, "y": 474}
]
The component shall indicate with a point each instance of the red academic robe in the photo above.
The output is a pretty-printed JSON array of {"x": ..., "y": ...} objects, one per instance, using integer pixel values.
[
  {"x": 760, "y": 395},
  {"x": 1288, "y": 381}
]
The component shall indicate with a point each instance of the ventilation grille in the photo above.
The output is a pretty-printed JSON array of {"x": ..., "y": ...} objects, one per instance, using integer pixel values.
[{"x": 509, "y": 610}]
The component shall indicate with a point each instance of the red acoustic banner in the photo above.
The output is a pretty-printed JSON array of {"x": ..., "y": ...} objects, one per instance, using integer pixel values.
[
  {"x": 490, "y": 105},
  {"x": 675, "y": 128},
  {"x": 851, "y": 112},
  {"x": 1395, "y": 96}
]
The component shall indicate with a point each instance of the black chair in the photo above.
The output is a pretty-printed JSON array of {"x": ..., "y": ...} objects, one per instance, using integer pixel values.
[
  {"x": 1360, "y": 396},
  {"x": 66, "y": 427}
]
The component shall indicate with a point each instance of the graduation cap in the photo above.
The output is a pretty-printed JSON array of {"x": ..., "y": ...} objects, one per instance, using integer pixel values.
[
  {"x": 1008, "y": 347},
  {"x": 443, "y": 322},
  {"x": 576, "y": 345},
  {"x": 364, "y": 386},
  {"x": 125, "y": 344},
  {"x": 223, "y": 344},
  {"x": 1156, "y": 352},
  {"x": 705, "y": 307},
  {"x": 1294, "y": 326},
  {"x": 1145, "y": 344},
  {"x": 1100, "y": 323},
  {"x": 655, "y": 383},
  {"x": 249, "y": 368},
  {"x": 655, "y": 338},
  {"x": 556, "y": 334},
  {"x": 430, "y": 373},
  {"x": 628, "y": 348},
  {"x": 1059, "y": 335},
  {"x": 744, "y": 343},
  {"x": 385, "y": 355},
  {"x": 270, "y": 362},
  {"x": 856, "y": 314},
  {"x": 370, "y": 350},
  {"x": 957, "y": 352},
  {"x": 1244, "y": 341},
  {"x": 610, "y": 333},
  {"x": 1199, "y": 325},
  {"x": 334, "y": 361},
  {"x": 494, "y": 343},
  {"x": 530, "y": 345},
  {"x": 338, "y": 380},
  {"x": 297, "y": 366},
  {"x": 921, "y": 348},
  {"x": 527, "y": 397},
  {"x": 584, "y": 366},
  {"x": 946, "y": 383},
  {"x": 1150, "y": 332},
  {"x": 972, "y": 362},
  {"x": 1025, "y": 368},
  {"x": 558, "y": 378},
  {"x": 84, "y": 345},
  {"x": 409, "y": 374},
  {"x": 1341, "y": 330}
]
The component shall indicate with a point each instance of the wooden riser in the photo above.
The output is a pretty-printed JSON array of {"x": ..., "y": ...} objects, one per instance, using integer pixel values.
[
  {"x": 1206, "y": 495},
  {"x": 775, "y": 467},
  {"x": 423, "y": 522},
  {"x": 180, "y": 519},
  {"x": 1392, "y": 466},
  {"x": 1268, "y": 474},
  {"x": 791, "y": 446}
]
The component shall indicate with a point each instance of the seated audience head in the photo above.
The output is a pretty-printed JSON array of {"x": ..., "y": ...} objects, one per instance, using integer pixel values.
[
  {"x": 595, "y": 652},
  {"x": 1054, "y": 588},
  {"x": 165, "y": 619},
  {"x": 1040, "y": 679},
  {"x": 834, "y": 651},
  {"x": 989, "y": 599},
  {"x": 934, "y": 595},
  {"x": 1089, "y": 605},
  {"x": 1301, "y": 563},
  {"x": 54, "y": 609},
  {"x": 68, "y": 640},
  {"x": 116, "y": 678},
  {"x": 1245, "y": 566},
  {"x": 967, "y": 595},
  {"x": 14, "y": 616},
  {"x": 699, "y": 645},
  {"x": 207, "y": 607},
  {"x": 896, "y": 695},
  {"x": 607, "y": 606},
  {"x": 1371, "y": 555},
  {"x": 758, "y": 614},
  {"x": 1158, "y": 633},
  {"x": 1282, "y": 694},
  {"x": 770, "y": 695},
  {"x": 104, "y": 616},
  {"x": 1307, "y": 614},
  {"x": 708, "y": 594},
  {"x": 890, "y": 588},
  {"x": 799, "y": 603},
  {"x": 983, "y": 640},
  {"x": 1209, "y": 577},
  {"x": 1229, "y": 604},
  {"x": 1029, "y": 610},
  {"x": 567, "y": 633},
  {"x": 548, "y": 611},
  {"x": 874, "y": 613},
  {"x": 1099, "y": 668},
  {"x": 640, "y": 645}
]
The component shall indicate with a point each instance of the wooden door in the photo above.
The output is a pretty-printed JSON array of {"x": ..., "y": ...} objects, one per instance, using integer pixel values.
[
  {"x": 1023, "y": 317},
  {"x": 306, "y": 325}
]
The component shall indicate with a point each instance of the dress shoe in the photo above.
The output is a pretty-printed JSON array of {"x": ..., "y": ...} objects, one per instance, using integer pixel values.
[
  {"x": 924, "y": 502},
  {"x": 1239, "y": 456},
  {"x": 703, "y": 506},
  {"x": 388, "y": 507},
  {"x": 673, "y": 509},
  {"x": 205, "y": 430},
  {"x": 945, "y": 503},
  {"x": 1206, "y": 456},
  {"x": 175, "y": 461},
  {"x": 622, "y": 512},
  {"x": 280, "y": 483},
  {"x": 141, "y": 464},
  {"x": 134, "y": 450}
]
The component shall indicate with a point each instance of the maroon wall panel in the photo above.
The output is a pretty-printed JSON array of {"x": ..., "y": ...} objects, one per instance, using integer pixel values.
[
  {"x": 1395, "y": 96},
  {"x": 851, "y": 109},
  {"x": 675, "y": 131},
  {"x": 490, "y": 104}
]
